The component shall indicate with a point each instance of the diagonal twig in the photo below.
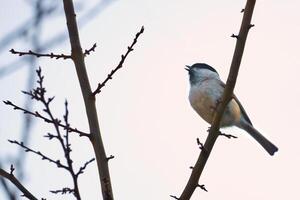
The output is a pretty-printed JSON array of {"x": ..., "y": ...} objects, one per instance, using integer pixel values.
[
  {"x": 81, "y": 169},
  {"x": 44, "y": 157},
  {"x": 120, "y": 65},
  {"x": 38, "y": 115},
  {"x": 88, "y": 51}
]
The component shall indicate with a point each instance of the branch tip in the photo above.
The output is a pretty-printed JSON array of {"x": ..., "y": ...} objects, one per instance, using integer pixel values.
[
  {"x": 120, "y": 65},
  {"x": 110, "y": 157},
  {"x": 88, "y": 51},
  {"x": 251, "y": 25},
  {"x": 12, "y": 169},
  {"x": 234, "y": 36},
  {"x": 200, "y": 144},
  {"x": 202, "y": 187},
  {"x": 229, "y": 136},
  {"x": 174, "y": 197}
]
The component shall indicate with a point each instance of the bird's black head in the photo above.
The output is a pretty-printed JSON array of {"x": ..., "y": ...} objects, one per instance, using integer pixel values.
[
  {"x": 196, "y": 66},
  {"x": 197, "y": 73}
]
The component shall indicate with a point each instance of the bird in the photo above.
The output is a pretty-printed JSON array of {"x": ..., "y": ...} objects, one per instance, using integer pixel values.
[{"x": 206, "y": 90}]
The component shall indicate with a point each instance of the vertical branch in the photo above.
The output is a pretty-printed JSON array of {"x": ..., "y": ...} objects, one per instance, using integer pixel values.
[
  {"x": 227, "y": 95},
  {"x": 89, "y": 100}
]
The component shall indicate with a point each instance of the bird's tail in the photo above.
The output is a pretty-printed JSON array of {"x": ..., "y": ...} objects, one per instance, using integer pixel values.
[{"x": 264, "y": 142}]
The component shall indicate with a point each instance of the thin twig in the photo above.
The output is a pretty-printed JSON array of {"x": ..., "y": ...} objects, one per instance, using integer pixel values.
[
  {"x": 65, "y": 190},
  {"x": 174, "y": 197},
  {"x": 234, "y": 36},
  {"x": 43, "y": 156},
  {"x": 38, "y": 115},
  {"x": 200, "y": 144},
  {"x": 50, "y": 55},
  {"x": 202, "y": 187},
  {"x": 31, "y": 53},
  {"x": 229, "y": 136},
  {"x": 110, "y": 157},
  {"x": 88, "y": 51},
  {"x": 81, "y": 169},
  {"x": 192, "y": 183},
  {"x": 39, "y": 94},
  {"x": 120, "y": 65}
]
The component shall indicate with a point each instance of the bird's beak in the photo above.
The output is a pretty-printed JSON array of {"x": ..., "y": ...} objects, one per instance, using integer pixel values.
[{"x": 188, "y": 68}]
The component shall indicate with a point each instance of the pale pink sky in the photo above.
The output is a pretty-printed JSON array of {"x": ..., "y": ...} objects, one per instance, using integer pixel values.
[{"x": 145, "y": 116}]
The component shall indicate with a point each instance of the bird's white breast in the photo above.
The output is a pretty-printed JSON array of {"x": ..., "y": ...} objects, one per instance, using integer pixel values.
[{"x": 204, "y": 98}]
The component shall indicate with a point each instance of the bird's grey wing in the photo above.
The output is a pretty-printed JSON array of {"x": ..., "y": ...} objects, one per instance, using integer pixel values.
[
  {"x": 243, "y": 110},
  {"x": 240, "y": 105}
]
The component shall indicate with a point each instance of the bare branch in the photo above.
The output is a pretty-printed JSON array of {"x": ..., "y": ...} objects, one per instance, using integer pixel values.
[
  {"x": 44, "y": 157},
  {"x": 81, "y": 169},
  {"x": 89, "y": 101},
  {"x": 38, "y": 115},
  {"x": 17, "y": 183},
  {"x": 65, "y": 190},
  {"x": 200, "y": 144},
  {"x": 174, "y": 197},
  {"x": 202, "y": 187},
  {"x": 88, "y": 51},
  {"x": 192, "y": 183},
  {"x": 110, "y": 157},
  {"x": 234, "y": 36},
  {"x": 120, "y": 65},
  {"x": 38, "y": 94},
  {"x": 50, "y": 55}
]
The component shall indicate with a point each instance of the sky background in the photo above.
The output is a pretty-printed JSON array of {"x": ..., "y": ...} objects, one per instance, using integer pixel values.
[{"x": 145, "y": 117}]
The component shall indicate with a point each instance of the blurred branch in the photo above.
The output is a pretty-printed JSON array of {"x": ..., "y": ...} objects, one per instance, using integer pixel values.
[
  {"x": 192, "y": 183},
  {"x": 33, "y": 34},
  {"x": 17, "y": 183},
  {"x": 57, "y": 39},
  {"x": 24, "y": 29},
  {"x": 30, "y": 30},
  {"x": 10, "y": 194},
  {"x": 120, "y": 65}
]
